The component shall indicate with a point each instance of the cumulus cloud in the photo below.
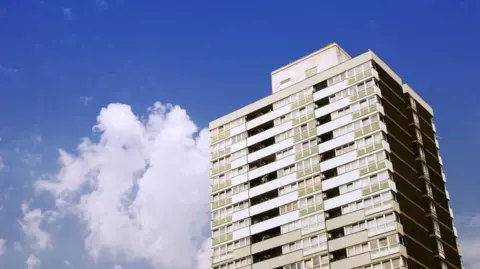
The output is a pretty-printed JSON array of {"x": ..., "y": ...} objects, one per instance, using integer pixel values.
[
  {"x": 32, "y": 262},
  {"x": 469, "y": 229},
  {"x": 141, "y": 190},
  {"x": 2, "y": 164},
  {"x": 3, "y": 244},
  {"x": 32, "y": 227}
]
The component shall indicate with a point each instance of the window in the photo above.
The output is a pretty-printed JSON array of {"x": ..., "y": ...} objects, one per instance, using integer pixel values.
[
  {"x": 314, "y": 241},
  {"x": 287, "y": 189},
  {"x": 433, "y": 210},
  {"x": 342, "y": 130},
  {"x": 291, "y": 247},
  {"x": 341, "y": 112},
  {"x": 371, "y": 159},
  {"x": 308, "y": 163},
  {"x": 421, "y": 153},
  {"x": 283, "y": 136},
  {"x": 282, "y": 119},
  {"x": 440, "y": 248},
  {"x": 384, "y": 243},
  {"x": 349, "y": 73},
  {"x": 415, "y": 120},
  {"x": 436, "y": 228},
  {"x": 285, "y": 153},
  {"x": 370, "y": 140},
  {"x": 309, "y": 182},
  {"x": 285, "y": 81},
  {"x": 288, "y": 208},
  {"x": 241, "y": 224},
  {"x": 310, "y": 201},
  {"x": 357, "y": 249},
  {"x": 419, "y": 136},
  {"x": 312, "y": 221},
  {"x": 425, "y": 171},
  {"x": 413, "y": 103},
  {"x": 429, "y": 189},
  {"x": 286, "y": 170},
  {"x": 239, "y": 188},
  {"x": 344, "y": 149},
  {"x": 373, "y": 201},
  {"x": 307, "y": 145}
]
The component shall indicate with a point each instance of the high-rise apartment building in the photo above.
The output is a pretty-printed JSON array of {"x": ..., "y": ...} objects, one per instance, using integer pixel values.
[{"x": 338, "y": 168}]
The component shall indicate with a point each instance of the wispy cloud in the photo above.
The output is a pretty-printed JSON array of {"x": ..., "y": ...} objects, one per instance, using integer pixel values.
[
  {"x": 33, "y": 262},
  {"x": 67, "y": 13},
  {"x": 3, "y": 244},
  {"x": 2, "y": 164},
  {"x": 469, "y": 229},
  {"x": 7, "y": 71},
  {"x": 86, "y": 100},
  {"x": 102, "y": 3}
]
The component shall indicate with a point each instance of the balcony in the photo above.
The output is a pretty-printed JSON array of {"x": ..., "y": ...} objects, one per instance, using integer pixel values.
[
  {"x": 305, "y": 134},
  {"x": 382, "y": 185},
  {"x": 367, "y": 110},
  {"x": 267, "y": 117},
  {"x": 306, "y": 153},
  {"x": 263, "y": 197},
  {"x": 384, "y": 228},
  {"x": 273, "y": 222},
  {"x": 313, "y": 228},
  {"x": 385, "y": 251},
  {"x": 311, "y": 209},
  {"x": 362, "y": 76},
  {"x": 302, "y": 101},
  {"x": 368, "y": 129},
  {"x": 221, "y": 202},
  {"x": 221, "y": 185},
  {"x": 221, "y": 221},
  {"x": 261, "y": 128},
  {"x": 219, "y": 136},
  {"x": 304, "y": 118},
  {"x": 274, "y": 239},
  {"x": 377, "y": 208},
  {"x": 373, "y": 147},
  {"x": 259, "y": 112},
  {"x": 322, "y": 246},
  {"x": 364, "y": 93},
  {"x": 220, "y": 153},
  {"x": 279, "y": 261},
  {"x": 262, "y": 162},
  {"x": 220, "y": 169},
  {"x": 222, "y": 238},
  {"x": 308, "y": 171},
  {"x": 374, "y": 167},
  {"x": 263, "y": 179},
  {"x": 309, "y": 189}
]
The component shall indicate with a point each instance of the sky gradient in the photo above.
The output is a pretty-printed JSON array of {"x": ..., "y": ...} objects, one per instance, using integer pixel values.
[{"x": 71, "y": 69}]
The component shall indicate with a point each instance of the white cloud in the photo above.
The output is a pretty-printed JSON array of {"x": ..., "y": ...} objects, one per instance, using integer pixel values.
[
  {"x": 146, "y": 179},
  {"x": 31, "y": 225},
  {"x": 469, "y": 234},
  {"x": 32, "y": 262},
  {"x": 68, "y": 263},
  {"x": 117, "y": 267},
  {"x": 2, "y": 164},
  {"x": 102, "y": 3},
  {"x": 86, "y": 100},
  {"x": 3, "y": 247},
  {"x": 67, "y": 13}
]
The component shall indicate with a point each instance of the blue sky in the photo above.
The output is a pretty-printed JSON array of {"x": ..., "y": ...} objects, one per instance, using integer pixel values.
[{"x": 62, "y": 61}]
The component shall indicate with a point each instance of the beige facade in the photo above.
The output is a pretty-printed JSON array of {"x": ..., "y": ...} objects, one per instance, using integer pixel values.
[{"x": 312, "y": 175}]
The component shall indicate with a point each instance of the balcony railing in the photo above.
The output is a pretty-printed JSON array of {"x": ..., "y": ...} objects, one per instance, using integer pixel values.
[
  {"x": 221, "y": 202},
  {"x": 220, "y": 169},
  {"x": 309, "y": 189},
  {"x": 219, "y": 186},
  {"x": 304, "y": 118},
  {"x": 315, "y": 248},
  {"x": 380, "y": 229},
  {"x": 360, "y": 76},
  {"x": 309, "y": 170},
  {"x": 313, "y": 228},
  {"x": 313, "y": 208},
  {"x": 306, "y": 152},
  {"x": 385, "y": 251},
  {"x": 372, "y": 167},
  {"x": 305, "y": 134},
  {"x": 222, "y": 238},
  {"x": 220, "y": 136},
  {"x": 364, "y": 111},
  {"x": 362, "y": 93},
  {"x": 220, "y": 152},
  {"x": 375, "y": 187},
  {"x": 302, "y": 100},
  {"x": 369, "y": 148},
  {"x": 221, "y": 221},
  {"x": 367, "y": 129}
]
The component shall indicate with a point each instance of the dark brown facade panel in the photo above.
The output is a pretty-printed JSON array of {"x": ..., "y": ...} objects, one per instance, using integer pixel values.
[
  {"x": 388, "y": 80},
  {"x": 405, "y": 171}
]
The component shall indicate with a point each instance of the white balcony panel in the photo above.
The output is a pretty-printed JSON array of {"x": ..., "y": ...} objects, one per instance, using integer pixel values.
[
  {"x": 239, "y": 215},
  {"x": 351, "y": 262},
  {"x": 379, "y": 208},
  {"x": 238, "y": 146},
  {"x": 337, "y": 161},
  {"x": 274, "y": 184},
  {"x": 239, "y": 162},
  {"x": 313, "y": 228},
  {"x": 271, "y": 167},
  {"x": 387, "y": 252},
  {"x": 269, "y": 133},
  {"x": 270, "y": 150},
  {"x": 348, "y": 240},
  {"x": 238, "y": 129},
  {"x": 343, "y": 199},
  {"x": 268, "y": 117},
  {"x": 274, "y": 222},
  {"x": 240, "y": 179},
  {"x": 388, "y": 227},
  {"x": 334, "y": 124},
  {"x": 332, "y": 107},
  {"x": 241, "y": 233},
  {"x": 274, "y": 203},
  {"x": 336, "y": 142},
  {"x": 330, "y": 90},
  {"x": 340, "y": 180},
  {"x": 240, "y": 197},
  {"x": 318, "y": 248}
]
